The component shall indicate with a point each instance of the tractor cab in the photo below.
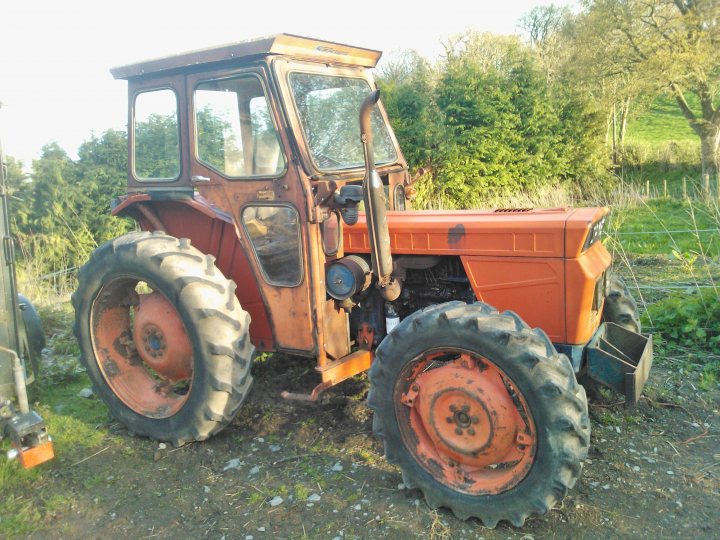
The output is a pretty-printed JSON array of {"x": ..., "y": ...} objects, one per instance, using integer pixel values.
[{"x": 260, "y": 138}]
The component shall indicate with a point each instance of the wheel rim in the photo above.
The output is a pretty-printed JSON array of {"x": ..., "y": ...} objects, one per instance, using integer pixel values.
[
  {"x": 141, "y": 347},
  {"x": 465, "y": 421}
]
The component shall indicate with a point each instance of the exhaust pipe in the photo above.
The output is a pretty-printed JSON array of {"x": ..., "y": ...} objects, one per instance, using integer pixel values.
[{"x": 374, "y": 197}]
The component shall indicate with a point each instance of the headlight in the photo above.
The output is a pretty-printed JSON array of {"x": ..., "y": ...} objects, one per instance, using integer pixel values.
[
  {"x": 595, "y": 232},
  {"x": 347, "y": 277}
]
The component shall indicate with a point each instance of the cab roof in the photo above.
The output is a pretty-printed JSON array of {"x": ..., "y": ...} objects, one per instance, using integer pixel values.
[{"x": 289, "y": 45}]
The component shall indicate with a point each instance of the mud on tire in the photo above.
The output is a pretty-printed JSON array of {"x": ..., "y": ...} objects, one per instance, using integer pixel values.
[
  {"x": 543, "y": 385},
  {"x": 620, "y": 306},
  {"x": 215, "y": 324}
]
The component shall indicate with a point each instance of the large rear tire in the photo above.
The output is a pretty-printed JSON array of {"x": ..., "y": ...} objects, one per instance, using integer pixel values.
[
  {"x": 32, "y": 336},
  {"x": 163, "y": 337},
  {"x": 480, "y": 412}
]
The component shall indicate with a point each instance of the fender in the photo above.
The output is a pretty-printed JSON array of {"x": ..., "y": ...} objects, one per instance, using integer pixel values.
[{"x": 212, "y": 231}]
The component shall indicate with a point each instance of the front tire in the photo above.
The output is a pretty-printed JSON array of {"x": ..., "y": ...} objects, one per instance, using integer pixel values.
[
  {"x": 480, "y": 412},
  {"x": 163, "y": 337},
  {"x": 620, "y": 306}
]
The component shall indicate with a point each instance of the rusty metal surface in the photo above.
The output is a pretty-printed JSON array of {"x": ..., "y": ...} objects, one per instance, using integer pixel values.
[
  {"x": 337, "y": 334},
  {"x": 29, "y": 438},
  {"x": 365, "y": 336},
  {"x": 160, "y": 338},
  {"x": 243, "y": 51},
  {"x": 334, "y": 372},
  {"x": 135, "y": 383},
  {"x": 339, "y": 370},
  {"x": 463, "y": 423}
]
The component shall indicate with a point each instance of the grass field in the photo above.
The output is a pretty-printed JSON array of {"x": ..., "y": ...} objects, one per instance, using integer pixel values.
[
  {"x": 661, "y": 226},
  {"x": 660, "y": 145},
  {"x": 661, "y": 122}
]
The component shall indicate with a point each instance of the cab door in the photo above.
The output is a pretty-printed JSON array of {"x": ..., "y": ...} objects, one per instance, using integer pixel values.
[{"x": 240, "y": 162}]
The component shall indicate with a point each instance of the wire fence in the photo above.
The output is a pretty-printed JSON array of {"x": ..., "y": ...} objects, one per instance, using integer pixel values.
[
  {"x": 679, "y": 231},
  {"x": 687, "y": 188}
]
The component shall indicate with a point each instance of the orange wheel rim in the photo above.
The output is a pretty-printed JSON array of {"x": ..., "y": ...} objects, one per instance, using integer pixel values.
[
  {"x": 142, "y": 348},
  {"x": 465, "y": 421}
]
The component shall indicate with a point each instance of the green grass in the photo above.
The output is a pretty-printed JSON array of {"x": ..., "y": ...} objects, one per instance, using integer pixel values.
[
  {"x": 663, "y": 216},
  {"x": 77, "y": 426},
  {"x": 684, "y": 318},
  {"x": 661, "y": 146},
  {"x": 662, "y": 122}
]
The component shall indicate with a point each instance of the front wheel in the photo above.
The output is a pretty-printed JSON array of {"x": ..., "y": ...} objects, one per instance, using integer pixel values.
[
  {"x": 620, "y": 306},
  {"x": 480, "y": 412},
  {"x": 163, "y": 337}
]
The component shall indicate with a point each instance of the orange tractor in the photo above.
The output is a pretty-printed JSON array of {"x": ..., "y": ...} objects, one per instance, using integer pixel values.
[{"x": 275, "y": 210}]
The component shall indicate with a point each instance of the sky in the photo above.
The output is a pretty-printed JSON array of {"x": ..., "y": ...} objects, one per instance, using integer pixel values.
[{"x": 55, "y": 55}]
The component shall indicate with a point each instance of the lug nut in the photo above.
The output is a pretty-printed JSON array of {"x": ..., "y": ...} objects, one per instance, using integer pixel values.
[
  {"x": 453, "y": 408},
  {"x": 458, "y": 431},
  {"x": 449, "y": 420},
  {"x": 471, "y": 431},
  {"x": 474, "y": 419},
  {"x": 465, "y": 408}
]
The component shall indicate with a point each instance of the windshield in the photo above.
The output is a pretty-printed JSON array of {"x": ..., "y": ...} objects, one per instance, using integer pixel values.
[{"x": 329, "y": 110}]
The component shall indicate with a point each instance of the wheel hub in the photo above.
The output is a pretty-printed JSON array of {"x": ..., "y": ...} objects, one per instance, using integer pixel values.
[
  {"x": 466, "y": 418},
  {"x": 160, "y": 338}
]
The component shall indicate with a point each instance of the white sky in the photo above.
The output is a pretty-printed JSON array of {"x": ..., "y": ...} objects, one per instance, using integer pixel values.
[{"x": 55, "y": 54}]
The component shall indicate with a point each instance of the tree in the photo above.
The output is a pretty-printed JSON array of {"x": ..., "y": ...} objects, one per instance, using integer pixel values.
[
  {"x": 487, "y": 123},
  {"x": 17, "y": 183},
  {"x": 544, "y": 26},
  {"x": 672, "y": 45},
  {"x": 100, "y": 173},
  {"x": 408, "y": 86}
]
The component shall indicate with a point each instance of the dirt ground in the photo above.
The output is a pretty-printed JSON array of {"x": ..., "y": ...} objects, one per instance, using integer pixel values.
[
  {"x": 292, "y": 470},
  {"x": 288, "y": 470}
]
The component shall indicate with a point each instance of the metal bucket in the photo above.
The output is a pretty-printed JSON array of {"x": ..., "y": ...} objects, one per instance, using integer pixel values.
[{"x": 620, "y": 359}]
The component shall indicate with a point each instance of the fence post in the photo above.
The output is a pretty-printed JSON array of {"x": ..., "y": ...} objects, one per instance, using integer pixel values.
[
  {"x": 684, "y": 187},
  {"x": 665, "y": 188},
  {"x": 647, "y": 189}
]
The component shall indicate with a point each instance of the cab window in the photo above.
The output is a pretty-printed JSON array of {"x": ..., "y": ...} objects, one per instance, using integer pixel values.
[
  {"x": 156, "y": 136},
  {"x": 274, "y": 232},
  {"x": 234, "y": 129}
]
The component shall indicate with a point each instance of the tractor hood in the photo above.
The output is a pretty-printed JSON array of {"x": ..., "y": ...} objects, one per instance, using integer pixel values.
[{"x": 554, "y": 233}]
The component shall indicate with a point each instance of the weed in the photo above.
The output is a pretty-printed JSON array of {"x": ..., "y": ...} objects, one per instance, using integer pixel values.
[
  {"x": 689, "y": 318},
  {"x": 606, "y": 418},
  {"x": 439, "y": 530},
  {"x": 710, "y": 376},
  {"x": 18, "y": 516},
  {"x": 301, "y": 492}
]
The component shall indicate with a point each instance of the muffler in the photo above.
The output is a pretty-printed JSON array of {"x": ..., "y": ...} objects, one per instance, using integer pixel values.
[{"x": 375, "y": 212}]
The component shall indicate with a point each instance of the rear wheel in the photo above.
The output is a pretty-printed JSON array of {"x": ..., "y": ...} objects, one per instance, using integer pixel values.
[
  {"x": 480, "y": 412},
  {"x": 620, "y": 306},
  {"x": 163, "y": 337},
  {"x": 32, "y": 337}
]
